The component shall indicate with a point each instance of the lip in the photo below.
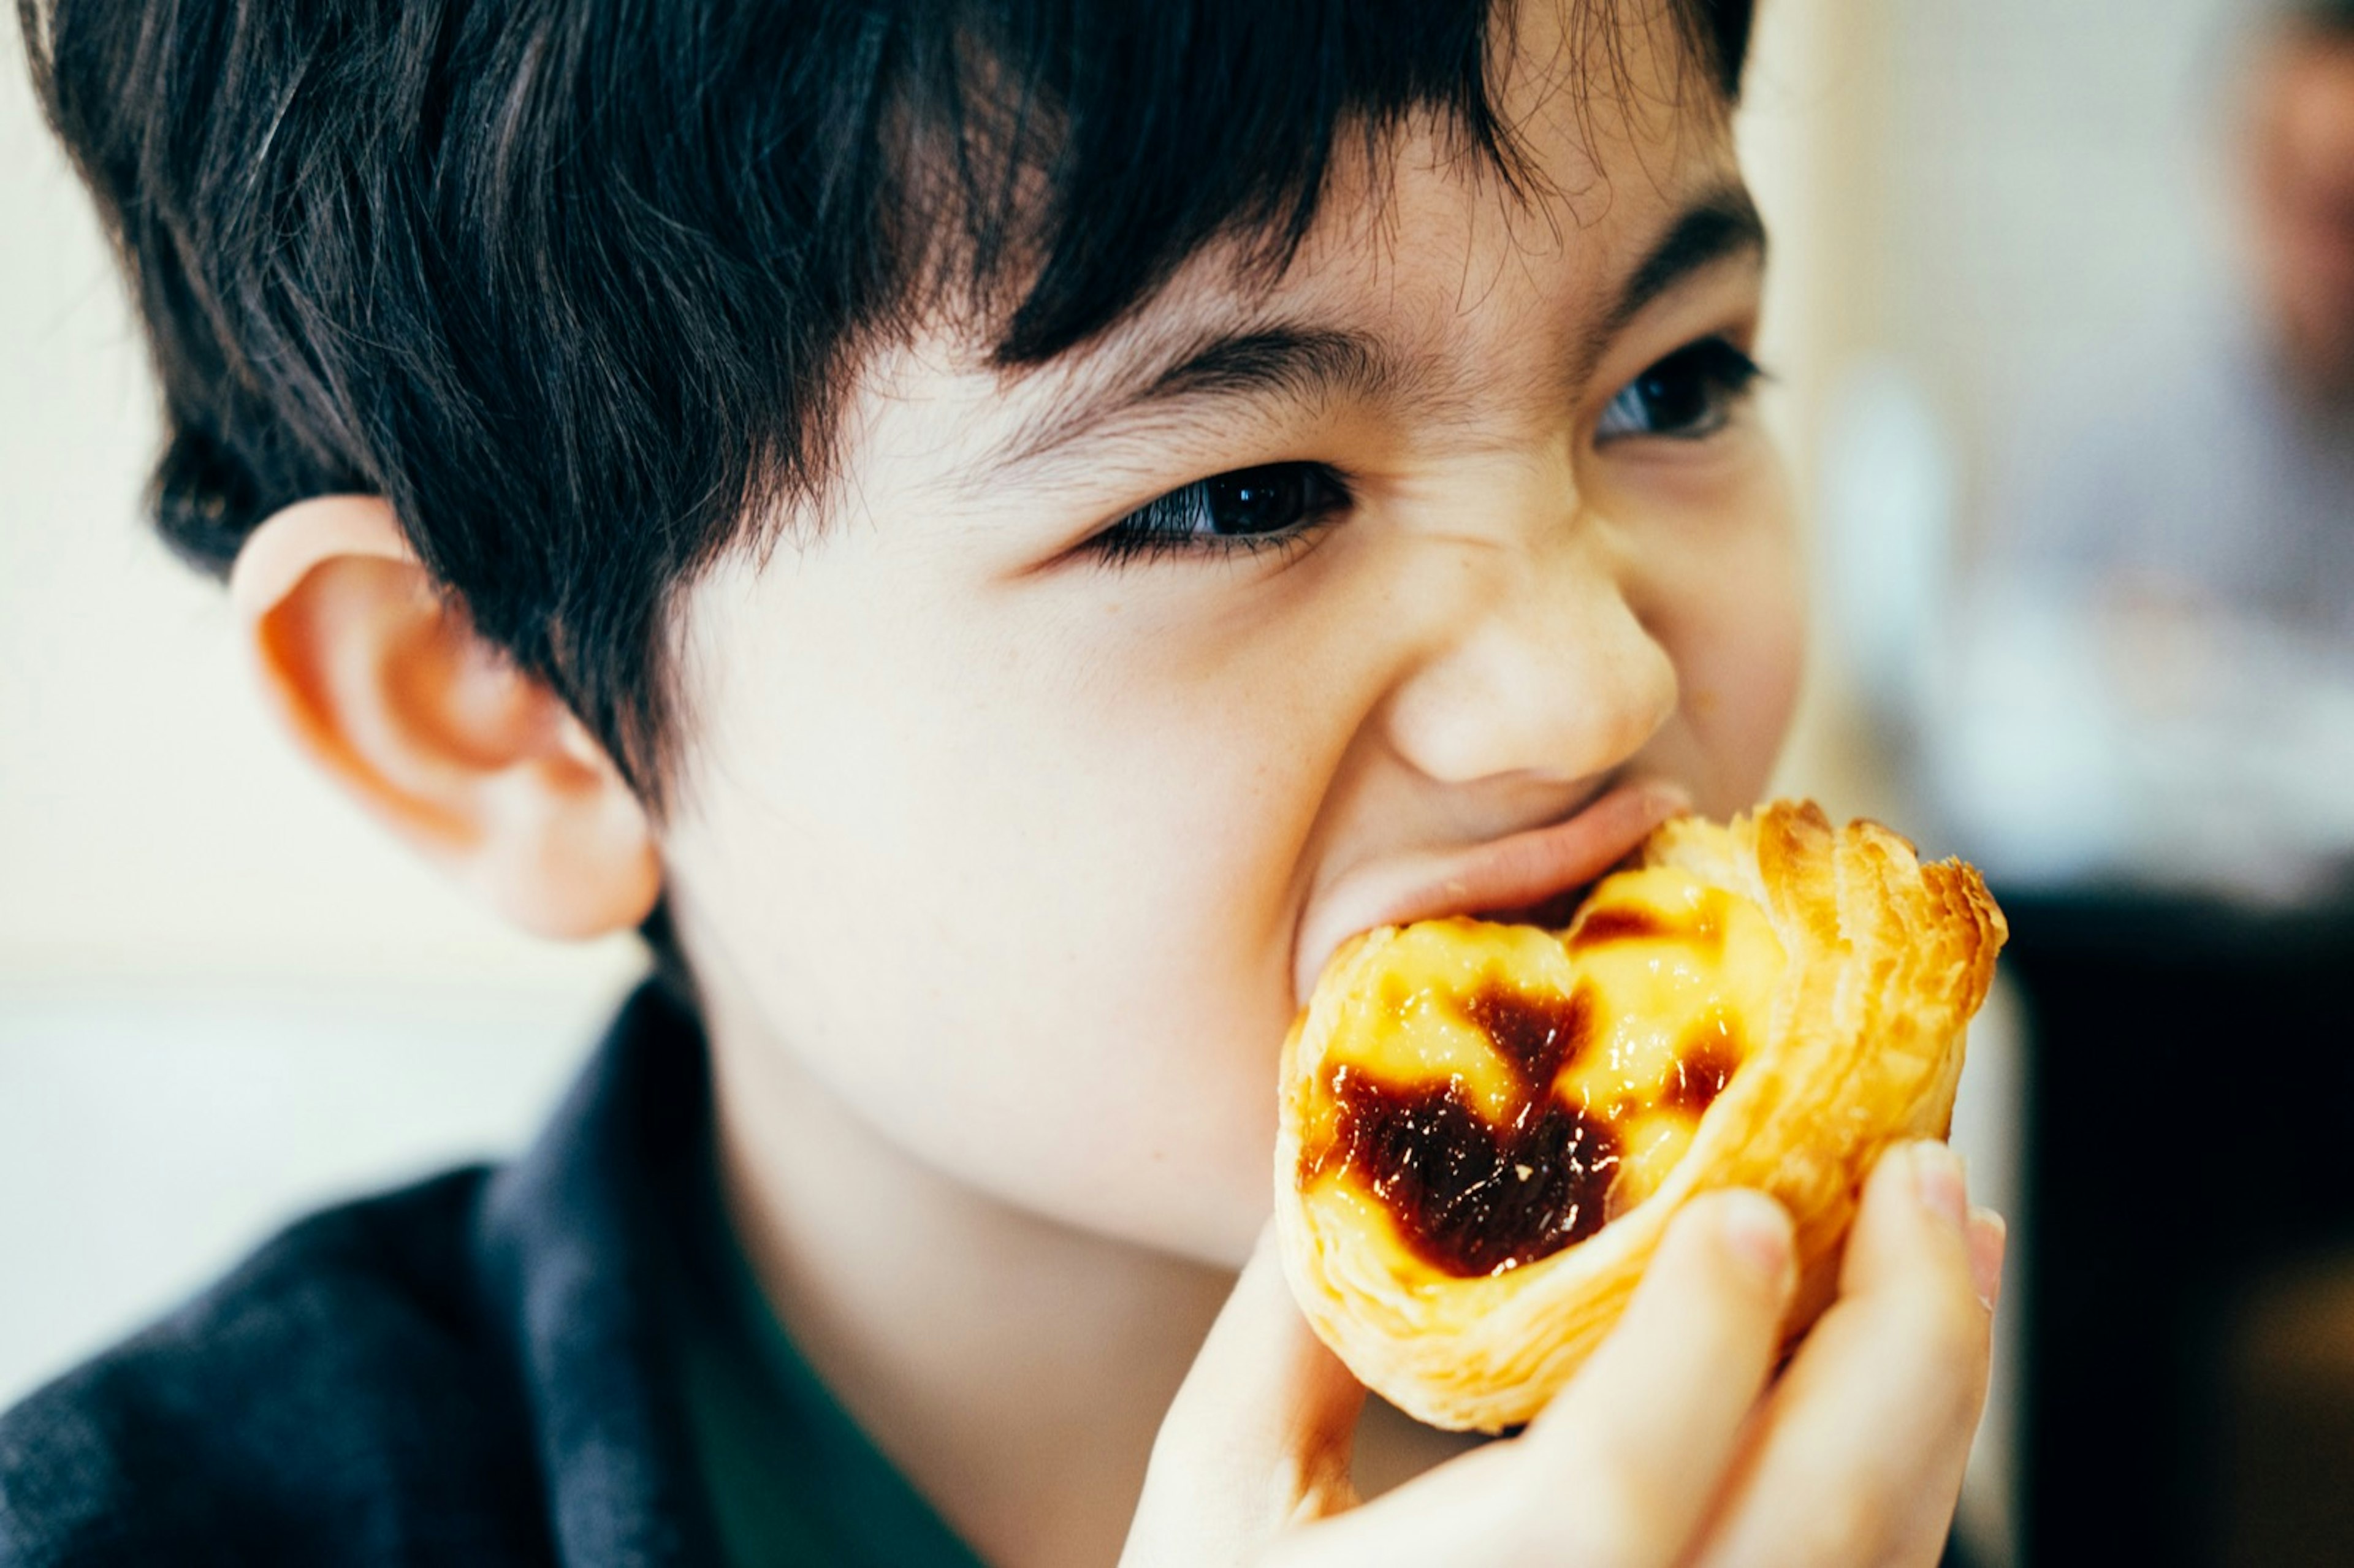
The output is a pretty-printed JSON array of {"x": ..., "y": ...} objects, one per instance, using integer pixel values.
[{"x": 1525, "y": 873}]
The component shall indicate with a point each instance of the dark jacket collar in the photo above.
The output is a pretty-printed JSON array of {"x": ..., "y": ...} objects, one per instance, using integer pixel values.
[{"x": 572, "y": 1241}]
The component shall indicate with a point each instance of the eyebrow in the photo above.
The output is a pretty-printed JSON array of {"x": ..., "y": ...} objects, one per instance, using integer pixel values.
[
  {"x": 1304, "y": 362},
  {"x": 1295, "y": 362},
  {"x": 1721, "y": 225}
]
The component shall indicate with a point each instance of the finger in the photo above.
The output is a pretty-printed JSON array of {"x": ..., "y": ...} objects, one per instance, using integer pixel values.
[
  {"x": 1622, "y": 1466},
  {"x": 1989, "y": 1238},
  {"x": 1649, "y": 1425},
  {"x": 1257, "y": 1438},
  {"x": 1858, "y": 1455}
]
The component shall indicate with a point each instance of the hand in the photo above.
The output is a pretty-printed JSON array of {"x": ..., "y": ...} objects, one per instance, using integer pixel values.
[{"x": 1674, "y": 1444}]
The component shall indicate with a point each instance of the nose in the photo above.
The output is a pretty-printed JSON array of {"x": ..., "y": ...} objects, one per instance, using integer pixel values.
[{"x": 1546, "y": 671}]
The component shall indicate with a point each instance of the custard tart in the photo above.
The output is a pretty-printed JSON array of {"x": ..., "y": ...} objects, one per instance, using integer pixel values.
[{"x": 1486, "y": 1127}]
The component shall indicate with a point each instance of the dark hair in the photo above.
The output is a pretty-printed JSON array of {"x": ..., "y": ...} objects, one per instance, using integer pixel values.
[
  {"x": 2331, "y": 18},
  {"x": 575, "y": 284}
]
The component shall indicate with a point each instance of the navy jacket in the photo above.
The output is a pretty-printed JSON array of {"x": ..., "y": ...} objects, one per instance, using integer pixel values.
[{"x": 471, "y": 1370}]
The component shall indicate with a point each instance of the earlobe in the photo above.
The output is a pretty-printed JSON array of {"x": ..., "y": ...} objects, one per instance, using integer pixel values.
[{"x": 383, "y": 682}]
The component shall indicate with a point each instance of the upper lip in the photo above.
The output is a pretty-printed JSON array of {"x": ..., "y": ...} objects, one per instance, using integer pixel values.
[{"x": 1515, "y": 872}]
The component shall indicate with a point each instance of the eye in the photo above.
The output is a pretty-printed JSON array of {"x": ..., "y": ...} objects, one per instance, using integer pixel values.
[
  {"x": 1689, "y": 394},
  {"x": 1249, "y": 508}
]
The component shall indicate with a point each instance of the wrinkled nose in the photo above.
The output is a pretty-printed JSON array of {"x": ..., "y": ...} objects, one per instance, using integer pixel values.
[{"x": 1547, "y": 672}]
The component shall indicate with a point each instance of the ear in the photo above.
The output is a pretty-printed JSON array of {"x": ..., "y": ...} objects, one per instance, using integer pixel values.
[{"x": 385, "y": 683}]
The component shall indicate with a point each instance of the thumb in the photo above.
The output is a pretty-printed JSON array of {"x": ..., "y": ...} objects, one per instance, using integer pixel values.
[{"x": 1258, "y": 1438}]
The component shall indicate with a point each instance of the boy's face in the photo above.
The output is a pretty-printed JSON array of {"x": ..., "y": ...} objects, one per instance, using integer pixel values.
[{"x": 1019, "y": 830}]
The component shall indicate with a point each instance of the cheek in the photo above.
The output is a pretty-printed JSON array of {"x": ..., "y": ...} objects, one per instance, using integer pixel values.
[
  {"x": 1727, "y": 600},
  {"x": 1016, "y": 886}
]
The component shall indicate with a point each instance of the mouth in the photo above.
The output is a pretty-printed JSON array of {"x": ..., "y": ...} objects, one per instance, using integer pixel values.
[
  {"x": 1536, "y": 877},
  {"x": 1554, "y": 913}
]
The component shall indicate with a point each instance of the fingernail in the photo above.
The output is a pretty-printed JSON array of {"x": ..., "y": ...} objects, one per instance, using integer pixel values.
[
  {"x": 1669, "y": 798},
  {"x": 1756, "y": 1229},
  {"x": 1990, "y": 1236},
  {"x": 1942, "y": 1182}
]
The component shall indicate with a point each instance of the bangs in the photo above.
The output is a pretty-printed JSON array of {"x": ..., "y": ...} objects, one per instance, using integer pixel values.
[{"x": 1090, "y": 152}]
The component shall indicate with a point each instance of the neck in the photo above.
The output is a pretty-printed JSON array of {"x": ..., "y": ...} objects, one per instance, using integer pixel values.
[{"x": 1014, "y": 1368}]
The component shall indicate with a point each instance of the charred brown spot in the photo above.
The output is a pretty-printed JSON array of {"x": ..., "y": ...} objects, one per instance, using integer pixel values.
[
  {"x": 1632, "y": 923},
  {"x": 1535, "y": 1036},
  {"x": 1705, "y": 1064},
  {"x": 1471, "y": 1197},
  {"x": 1619, "y": 924}
]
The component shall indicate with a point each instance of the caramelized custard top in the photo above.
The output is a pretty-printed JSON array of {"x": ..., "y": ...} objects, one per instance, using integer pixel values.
[{"x": 1500, "y": 1093}]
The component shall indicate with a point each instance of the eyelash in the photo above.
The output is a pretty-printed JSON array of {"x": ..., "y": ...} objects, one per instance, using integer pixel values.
[
  {"x": 1312, "y": 492},
  {"x": 1721, "y": 374},
  {"x": 1316, "y": 495}
]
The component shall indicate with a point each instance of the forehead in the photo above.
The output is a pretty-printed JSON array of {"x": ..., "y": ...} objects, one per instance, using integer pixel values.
[
  {"x": 1462, "y": 273},
  {"x": 1609, "y": 124}
]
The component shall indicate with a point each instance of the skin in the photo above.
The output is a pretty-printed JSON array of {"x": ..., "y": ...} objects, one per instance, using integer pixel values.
[
  {"x": 1001, "y": 867},
  {"x": 2300, "y": 158}
]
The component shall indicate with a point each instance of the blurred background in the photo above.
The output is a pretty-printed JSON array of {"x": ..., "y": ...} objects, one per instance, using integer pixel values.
[{"x": 2058, "y": 290}]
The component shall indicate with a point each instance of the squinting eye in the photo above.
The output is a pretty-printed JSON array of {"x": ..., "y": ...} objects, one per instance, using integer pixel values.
[
  {"x": 1251, "y": 507},
  {"x": 1689, "y": 394}
]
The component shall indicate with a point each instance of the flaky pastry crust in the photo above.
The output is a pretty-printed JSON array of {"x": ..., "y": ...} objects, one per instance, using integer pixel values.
[{"x": 1887, "y": 960}]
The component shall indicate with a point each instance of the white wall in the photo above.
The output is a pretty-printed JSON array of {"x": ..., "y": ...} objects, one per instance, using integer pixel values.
[{"x": 2049, "y": 185}]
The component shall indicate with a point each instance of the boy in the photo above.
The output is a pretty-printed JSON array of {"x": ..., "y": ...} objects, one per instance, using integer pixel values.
[{"x": 1000, "y": 534}]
